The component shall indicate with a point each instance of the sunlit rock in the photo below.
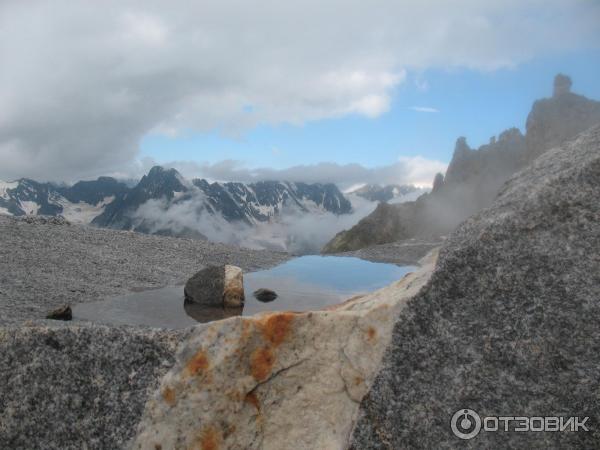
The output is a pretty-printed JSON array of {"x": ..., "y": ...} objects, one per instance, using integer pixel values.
[
  {"x": 219, "y": 286},
  {"x": 276, "y": 380}
]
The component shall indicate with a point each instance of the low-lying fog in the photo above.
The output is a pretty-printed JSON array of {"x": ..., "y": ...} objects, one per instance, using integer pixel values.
[{"x": 293, "y": 231}]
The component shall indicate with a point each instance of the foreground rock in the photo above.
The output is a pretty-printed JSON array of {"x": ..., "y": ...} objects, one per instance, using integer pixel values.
[
  {"x": 276, "y": 380},
  {"x": 508, "y": 324},
  {"x": 219, "y": 286},
  {"x": 77, "y": 387}
]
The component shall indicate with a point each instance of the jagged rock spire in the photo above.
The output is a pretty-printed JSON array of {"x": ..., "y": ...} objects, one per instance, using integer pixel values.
[
  {"x": 562, "y": 84},
  {"x": 438, "y": 182}
]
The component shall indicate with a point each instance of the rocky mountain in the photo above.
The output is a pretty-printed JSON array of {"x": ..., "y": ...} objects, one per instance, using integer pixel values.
[
  {"x": 158, "y": 183},
  {"x": 508, "y": 321},
  {"x": 555, "y": 120},
  {"x": 260, "y": 201},
  {"x": 79, "y": 203},
  {"x": 108, "y": 203},
  {"x": 474, "y": 177},
  {"x": 234, "y": 202},
  {"x": 377, "y": 193}
]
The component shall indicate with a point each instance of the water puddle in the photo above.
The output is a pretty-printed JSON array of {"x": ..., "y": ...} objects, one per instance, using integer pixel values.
[{"x": 302, "y": 284}]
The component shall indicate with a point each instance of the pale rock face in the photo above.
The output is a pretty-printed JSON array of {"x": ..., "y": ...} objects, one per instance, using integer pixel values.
[
  {"x": 234, "y": 287},
  {"x": 273, "y": 379}
]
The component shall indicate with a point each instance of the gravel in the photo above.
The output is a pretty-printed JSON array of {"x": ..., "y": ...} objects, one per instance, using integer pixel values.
[{"x": 78, "y": 387}]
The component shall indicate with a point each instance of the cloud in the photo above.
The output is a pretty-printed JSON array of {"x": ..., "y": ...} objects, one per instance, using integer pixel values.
[
  {"x": 425, "y": 109},
  {"x": 407, "y": 170},
  {"x": 295, "y": 232},
  {"x": 82, "y": 82}
]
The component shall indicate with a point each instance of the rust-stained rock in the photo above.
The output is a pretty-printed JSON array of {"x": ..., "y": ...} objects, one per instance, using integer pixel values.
[
  {"x": 197, "y": 364},
  {"x": 168, "y": 394},
  {"x": 261, "y": 363},
  {"x": 276, "y": 378}
]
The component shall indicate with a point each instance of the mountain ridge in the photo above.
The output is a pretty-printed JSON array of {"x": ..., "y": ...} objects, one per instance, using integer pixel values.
[
  {"x": 474, "y": 177},
  {"x": 106, "y": 202}
]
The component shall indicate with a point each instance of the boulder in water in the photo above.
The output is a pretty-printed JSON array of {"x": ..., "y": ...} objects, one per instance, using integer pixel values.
[{"x": 216, "y": 286}]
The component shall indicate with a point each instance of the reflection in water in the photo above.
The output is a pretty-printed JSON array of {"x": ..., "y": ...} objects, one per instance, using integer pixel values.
[
  {"x": 154, "y": 308},
  {"x": 302, "y": 284},
  {"x": 203, "y": 314},
  {"x": 264, "y": 295}
]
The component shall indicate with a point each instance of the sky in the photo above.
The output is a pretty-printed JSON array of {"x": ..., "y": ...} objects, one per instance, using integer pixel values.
[{"x": 342, "y": 91}]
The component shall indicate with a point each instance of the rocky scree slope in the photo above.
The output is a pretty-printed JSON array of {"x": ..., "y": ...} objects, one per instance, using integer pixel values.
[
  {"x": 46, "y": 262},
  {"x": 474, "y": 177},
  {"x": 508, "y": 324}
]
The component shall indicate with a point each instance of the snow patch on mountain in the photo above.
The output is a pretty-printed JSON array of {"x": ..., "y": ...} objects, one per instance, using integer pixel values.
[
  {"x": 390, "y": 193},
  {"x": 4, "y": 187},
  {"x": 29, "y": 207},
  {"x": 410, "y": 197},
  {"x": 81, "y": 212}
]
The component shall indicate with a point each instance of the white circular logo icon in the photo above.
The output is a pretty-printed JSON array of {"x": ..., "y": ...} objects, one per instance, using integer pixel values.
[{"x": 465, "y": 424}]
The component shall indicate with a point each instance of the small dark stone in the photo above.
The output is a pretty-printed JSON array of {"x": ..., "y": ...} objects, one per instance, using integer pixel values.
[
  {"x": 265, "y": 295},
  {"x": 62, "y": 313}
]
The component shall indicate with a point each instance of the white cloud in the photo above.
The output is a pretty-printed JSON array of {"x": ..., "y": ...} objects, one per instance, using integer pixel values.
[
  {"x": 421, "y": 171},
  {"x": 148, "y": 29},
  {"x": 82, "y": 82},
  {"x": 425, "y": 109}
]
